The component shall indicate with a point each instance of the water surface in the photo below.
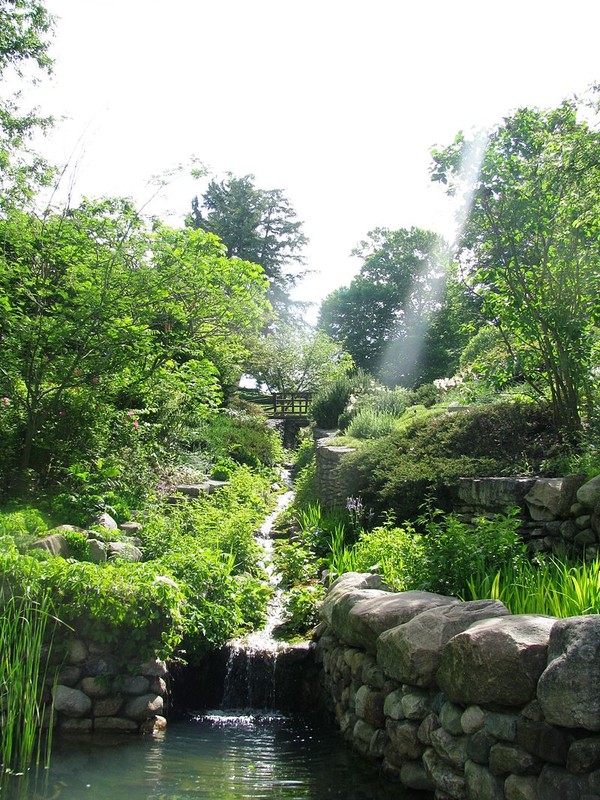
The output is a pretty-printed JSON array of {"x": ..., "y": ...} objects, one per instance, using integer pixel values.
[{"x": 220, "y": 756}]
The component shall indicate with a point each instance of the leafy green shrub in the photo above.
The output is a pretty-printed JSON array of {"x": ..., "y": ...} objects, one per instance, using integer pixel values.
[
  {"x": 78, "y": 545},
  {"x": 224, "y": 521},
  {"x": 455, "y": 550},
  {"x": 301, "y": 608},
  {"x": 245, "y": 438},
  {"x": 26, "y": 521},
  {"x": 295, "y": 562},
  {"x": 251, "y": 598},
  {"x": 425, "y": 395},
  {"x": 429, "y": 454},
  {"x": 394, "y": 552},
  {"x": 304, "y": 453},
  {"x": 223, "y": 469},
  {"x": 371, "y": 424},
  {"x": 440, "y": 555},
  {"x": 393, "y": 401},
  {"x": 331, "y": 401},
  {"x": 306, "y": 485}
]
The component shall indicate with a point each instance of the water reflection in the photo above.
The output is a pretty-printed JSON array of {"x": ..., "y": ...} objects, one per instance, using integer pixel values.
[{"x": 216, "y": 757}]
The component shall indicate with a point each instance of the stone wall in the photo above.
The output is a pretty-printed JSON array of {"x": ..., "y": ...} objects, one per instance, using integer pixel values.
[
  {"x": 557, "y": 514},
  {"x": 95, "y": 694},
  {"x": 464, "y": 700},
  {"x": 330, "y": 488}
]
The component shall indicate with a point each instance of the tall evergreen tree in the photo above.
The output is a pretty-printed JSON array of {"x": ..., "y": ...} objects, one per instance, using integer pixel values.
[{"x": 257, "y": 225}]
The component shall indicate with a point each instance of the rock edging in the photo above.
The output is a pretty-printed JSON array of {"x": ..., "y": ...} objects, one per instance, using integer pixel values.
[
  {"x": 463, "y": 700},
  {"x": 95, "y": 693}
]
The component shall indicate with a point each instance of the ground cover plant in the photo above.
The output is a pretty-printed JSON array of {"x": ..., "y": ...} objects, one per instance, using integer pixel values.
[{"x": 426, "y": 455}]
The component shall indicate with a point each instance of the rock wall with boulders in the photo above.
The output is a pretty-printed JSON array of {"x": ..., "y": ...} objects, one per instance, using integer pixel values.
[
  {"x": 95, "y": 693},
  {"x": 329, "y": 486},
  {"x": 463, "y": 700},
  {"x": 557, "y": 514}
]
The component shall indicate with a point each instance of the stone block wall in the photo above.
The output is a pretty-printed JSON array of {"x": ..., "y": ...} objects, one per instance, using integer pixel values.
[
  {"x": 557, "y": 514},
  {"x": 330, "y": 488},
  {"x": 463, "y": 700},
  {"x": 95, "y": 693}
]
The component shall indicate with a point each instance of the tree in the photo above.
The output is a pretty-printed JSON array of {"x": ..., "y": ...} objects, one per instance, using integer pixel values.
[
  {"x": 25, "y": 26},
  {"x": 383, "y": 316},
  {"x": 256, "y": 225},
  {"x": 95, "y": 308},
  {"x": 530, "y": 247},
  {"x": 293, "y": 359}
]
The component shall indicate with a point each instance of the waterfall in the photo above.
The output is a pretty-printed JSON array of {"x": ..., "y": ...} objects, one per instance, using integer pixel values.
[{"x": 251, "y": 679}]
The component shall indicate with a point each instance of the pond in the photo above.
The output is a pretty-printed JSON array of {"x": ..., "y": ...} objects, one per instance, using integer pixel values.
[{"x": 215, "y": 756}]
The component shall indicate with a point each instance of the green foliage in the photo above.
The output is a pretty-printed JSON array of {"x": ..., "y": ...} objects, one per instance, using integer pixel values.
[
  {"x": 295, "y": 562},
  {"x": 529, "y": 247},
  {"x": 369, "y": 423},
  {"x": 439, "y": 553},
  {"x": 251, "y": 597},
  {"x": 301, "y": 608},
  {"x": 239, "y": 436},
  {"x": 26, "y": 522},
  {"x": 114, "y": 338},
  {"x": 331, "y": 401},
  {"x": 256, "y": 225},
  {"x": 199, "y": 586},
  {"x": 26, "y": 627},
  {"x": 305, "y": 485},
  {"x": 551, "y": 586},
  {"x": 305, "y": 452},
  {"x": 78, "y": 545},
  {"x": 383, "y": 317},
  {"x": 26, "y": 27},
  {"x": 293, "y": 358},
  {"x": 394, "y": 552},
  {"x": 429, "y": 454},
  {"x": 343, "y": 558},
  {"x": 223, "y": 469}
]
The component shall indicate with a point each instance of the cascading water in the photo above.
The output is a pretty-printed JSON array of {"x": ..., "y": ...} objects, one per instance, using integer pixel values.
[{"x": 251, "y": 680}]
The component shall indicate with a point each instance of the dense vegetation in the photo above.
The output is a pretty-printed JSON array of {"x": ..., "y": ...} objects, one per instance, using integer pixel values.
[{"x": 122, "y": 345}]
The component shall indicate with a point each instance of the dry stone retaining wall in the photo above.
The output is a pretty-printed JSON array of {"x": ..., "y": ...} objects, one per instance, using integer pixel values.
[
  {"x": 557, "y": 513},
  {"x": 94, "y": 693},
  {"x": 464, "y": 700}
]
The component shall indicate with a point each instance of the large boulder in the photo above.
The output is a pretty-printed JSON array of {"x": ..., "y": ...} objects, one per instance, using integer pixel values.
[
  {"x": 589, "y": 493},
  {"x": 411, "y": 653},
  {"x": 105, "y": 520},
  {"x": 497, "y": 661},
  {"x": 71, "y": 702},
  {"x": 125, "y": 551},
  {"x": 144, "y": 707},
  {"x": 552, "y": 498},
  {"x": 350, "y": 588},
  {"x": 370, "y": 617},
  {"x": 569, "y": 688},
  {"x": 54, "y": 543}
]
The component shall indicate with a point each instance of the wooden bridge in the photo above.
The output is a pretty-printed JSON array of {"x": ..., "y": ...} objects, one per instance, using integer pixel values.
[{"x": 291, "y": 406}]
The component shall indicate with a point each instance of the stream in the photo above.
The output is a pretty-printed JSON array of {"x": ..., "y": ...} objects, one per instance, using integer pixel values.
[{"x": 243, "y": 750}]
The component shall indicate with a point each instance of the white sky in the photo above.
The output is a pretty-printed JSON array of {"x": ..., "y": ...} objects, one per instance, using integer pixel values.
[{"x": 335, "y": 102}]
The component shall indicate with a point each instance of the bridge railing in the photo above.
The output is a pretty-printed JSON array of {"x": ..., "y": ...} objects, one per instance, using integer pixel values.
[{"x": 295, "y": 404}]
